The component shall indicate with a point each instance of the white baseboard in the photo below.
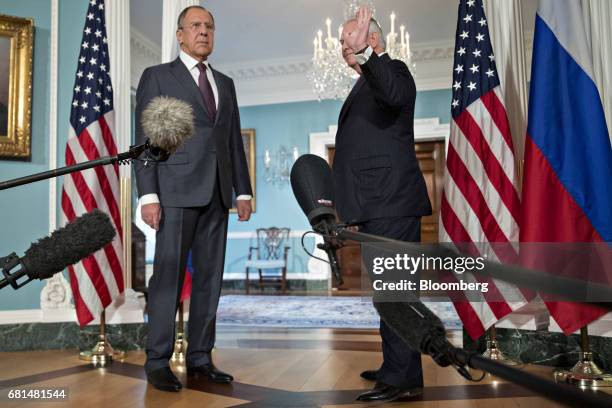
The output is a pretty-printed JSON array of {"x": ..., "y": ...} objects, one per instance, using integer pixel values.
[{"x": 254, "y": 275}]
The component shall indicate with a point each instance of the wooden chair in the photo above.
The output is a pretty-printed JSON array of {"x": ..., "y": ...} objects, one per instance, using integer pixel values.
[{"x": 270, "y": 258}]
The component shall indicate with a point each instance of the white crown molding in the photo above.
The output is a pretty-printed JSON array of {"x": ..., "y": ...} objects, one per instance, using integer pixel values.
[
  {"x": 428, "y": 51},
  {"x": 283, "y": 80},
  {"x": 266, "y": 68}
]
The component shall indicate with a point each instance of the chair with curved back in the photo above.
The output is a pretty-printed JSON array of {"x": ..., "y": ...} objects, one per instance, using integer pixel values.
[{"x": 270, "y": 258}]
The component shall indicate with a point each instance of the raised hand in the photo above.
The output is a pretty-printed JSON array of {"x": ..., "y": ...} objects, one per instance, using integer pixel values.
[{"x": 358, "y": 39}]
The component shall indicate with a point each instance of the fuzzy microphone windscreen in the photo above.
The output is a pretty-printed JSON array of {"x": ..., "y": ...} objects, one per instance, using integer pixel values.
[
  {"x": 167, "y": 122},
  {"x": 68, "y": 245}
]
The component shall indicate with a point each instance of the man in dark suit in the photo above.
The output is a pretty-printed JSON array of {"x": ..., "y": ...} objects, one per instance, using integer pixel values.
[
  {"x": 378, "y": 181},
  {"x": 186, "y": 199}
]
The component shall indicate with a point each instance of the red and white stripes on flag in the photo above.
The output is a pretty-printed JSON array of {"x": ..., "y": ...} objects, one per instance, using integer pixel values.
[
  {"x": 98, "y": 279},
  {"x": 480, "y": 202}
]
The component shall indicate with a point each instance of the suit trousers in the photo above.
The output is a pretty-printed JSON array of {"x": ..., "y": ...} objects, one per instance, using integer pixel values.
[
  {"x": 401, "y": 365},
  {"x": 204, "y": 231}
]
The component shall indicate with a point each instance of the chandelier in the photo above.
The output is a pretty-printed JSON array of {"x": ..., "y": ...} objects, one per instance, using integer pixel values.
[{"x": 330, "y": 76}]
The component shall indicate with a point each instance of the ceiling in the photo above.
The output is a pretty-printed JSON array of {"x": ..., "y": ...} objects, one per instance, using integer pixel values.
[{"x": 249, "y": 30}]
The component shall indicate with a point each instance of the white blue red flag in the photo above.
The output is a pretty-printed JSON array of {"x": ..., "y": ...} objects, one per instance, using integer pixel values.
[{"x": 567, "y": 188}]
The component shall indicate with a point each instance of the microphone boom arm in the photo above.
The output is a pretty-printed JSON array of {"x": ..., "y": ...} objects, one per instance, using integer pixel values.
[{"x": 122, "y": 158}]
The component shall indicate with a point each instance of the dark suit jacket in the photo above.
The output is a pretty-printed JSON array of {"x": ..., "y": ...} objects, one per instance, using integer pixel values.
[
  {"x": 187, "y": 179},
  {"x": 375, "y": 167}
]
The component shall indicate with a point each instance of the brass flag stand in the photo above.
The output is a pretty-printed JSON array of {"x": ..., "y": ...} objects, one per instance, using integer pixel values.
[
  {"x": 102, "y": 353},
  {"x": 493, "y": 352},
  {"x": 585, "y": 373},
  {"x": 180, "y": 344}
]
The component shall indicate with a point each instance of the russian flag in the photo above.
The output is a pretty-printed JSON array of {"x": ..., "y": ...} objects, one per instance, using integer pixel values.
[
  {"x": 567, "y": 185},
  {"x": 186, "y": 289}
]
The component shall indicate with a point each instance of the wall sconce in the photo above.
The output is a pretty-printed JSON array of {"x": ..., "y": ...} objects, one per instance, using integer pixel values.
[{"x": 278, "y": 164}]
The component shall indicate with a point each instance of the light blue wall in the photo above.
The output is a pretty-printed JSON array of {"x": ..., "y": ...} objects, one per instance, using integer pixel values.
[
  {"x": 24, "y": 214},
  {"x": 290, "y": 125}
]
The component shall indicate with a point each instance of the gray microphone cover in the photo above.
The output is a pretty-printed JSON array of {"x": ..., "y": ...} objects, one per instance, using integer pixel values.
[{"x": 167, "y": 122}]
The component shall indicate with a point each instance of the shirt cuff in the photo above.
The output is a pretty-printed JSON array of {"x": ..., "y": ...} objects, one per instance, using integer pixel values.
[
  {"x": 244, "y": 197},
  {"x": 364, "y": 56},
  {"x": 149, "y": 199}
]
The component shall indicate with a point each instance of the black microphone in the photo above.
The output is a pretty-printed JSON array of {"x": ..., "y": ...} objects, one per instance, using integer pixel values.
[
  {"x": 66, "y": 246},
  {"x": 313, "y": 186},
  {"x": 423, "y": 331},
  {"x": 413, "y": 322},
  {"x": 420, "y": 329},
  {"x": 168, "y": 123}
]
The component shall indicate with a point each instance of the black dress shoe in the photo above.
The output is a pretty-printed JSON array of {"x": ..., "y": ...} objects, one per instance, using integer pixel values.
[
  {"x": 370, "y": 375},
  {"x": 164, "y": 379},
  {"x": 210, "y": 371},
  {"x": 383, "y": 392}
]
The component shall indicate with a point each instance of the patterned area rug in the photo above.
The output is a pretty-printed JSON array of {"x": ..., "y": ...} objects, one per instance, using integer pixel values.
[{"x": 313, "y": 311}]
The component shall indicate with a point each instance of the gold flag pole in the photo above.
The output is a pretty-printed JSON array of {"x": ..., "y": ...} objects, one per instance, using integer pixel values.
[
  {"x": 585, "y": 373},
  {"x": 493, "y": 352},
  {"x": 180, "y": 344}
]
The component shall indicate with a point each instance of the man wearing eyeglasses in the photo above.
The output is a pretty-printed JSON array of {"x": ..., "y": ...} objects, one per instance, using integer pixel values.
[{"x": 186, "y": 199}]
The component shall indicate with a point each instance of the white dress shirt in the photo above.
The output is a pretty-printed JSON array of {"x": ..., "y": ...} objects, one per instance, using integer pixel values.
[
  {"x": 192, "y": 66},
  {"x": 365, "y": 56}
]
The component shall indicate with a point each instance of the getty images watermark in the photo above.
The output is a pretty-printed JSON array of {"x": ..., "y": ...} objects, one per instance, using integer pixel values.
[
  {"x": 491, "y": 272},
  {"x": 404, "y": 263}
]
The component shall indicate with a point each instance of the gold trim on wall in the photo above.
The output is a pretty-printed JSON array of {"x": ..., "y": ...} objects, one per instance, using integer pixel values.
[
  {"x": 15, "y": 144},
  {"x": 249, "y": 134}
]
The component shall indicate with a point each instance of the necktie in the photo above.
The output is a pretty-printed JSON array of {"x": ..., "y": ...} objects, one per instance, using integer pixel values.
[{"x": 207, "y": 93}]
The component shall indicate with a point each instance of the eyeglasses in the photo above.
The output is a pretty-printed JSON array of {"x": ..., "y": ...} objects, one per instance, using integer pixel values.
[{"x": 198, "y": 26}]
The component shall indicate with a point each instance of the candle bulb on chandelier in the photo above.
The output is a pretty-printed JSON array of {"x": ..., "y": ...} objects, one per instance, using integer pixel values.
[
  {"x": 320, "y": 36},
  {"x": 392, "y": 22},
  {"x": 316, "y": 46},
  {"x": 328, "y": 22},
  {"x": 408, "y": 45},
  {"x": 267, "y": 159},
  {"x": 339, "y": 31},
  {"x": 402, "y": 29}
]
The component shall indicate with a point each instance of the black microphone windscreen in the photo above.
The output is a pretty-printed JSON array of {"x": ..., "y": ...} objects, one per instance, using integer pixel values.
[
  {"x": 414, "y": 322},
  {"x": 313, "y": 186},
  {"x": 68, "y": 245},
  {"x": 167, "y": 122}
]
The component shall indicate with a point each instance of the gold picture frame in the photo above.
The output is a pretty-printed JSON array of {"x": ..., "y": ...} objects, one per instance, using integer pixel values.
[
  {"x": 248, "y": 139},
  {"x": 16, "y": 51}
]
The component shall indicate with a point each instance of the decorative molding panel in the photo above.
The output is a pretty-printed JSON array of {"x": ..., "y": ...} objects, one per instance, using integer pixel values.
[{"x": 144, "y": 53}]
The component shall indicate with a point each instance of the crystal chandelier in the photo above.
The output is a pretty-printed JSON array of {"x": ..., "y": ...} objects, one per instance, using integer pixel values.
[
  {"x": 330, "y": 76},
  {"x": 278, "y": 165}
]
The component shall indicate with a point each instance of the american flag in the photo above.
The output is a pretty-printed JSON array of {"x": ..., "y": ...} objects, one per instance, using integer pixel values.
[
  {"x": 97, "y": 280},
  {"x": 480, "y": 203}
]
